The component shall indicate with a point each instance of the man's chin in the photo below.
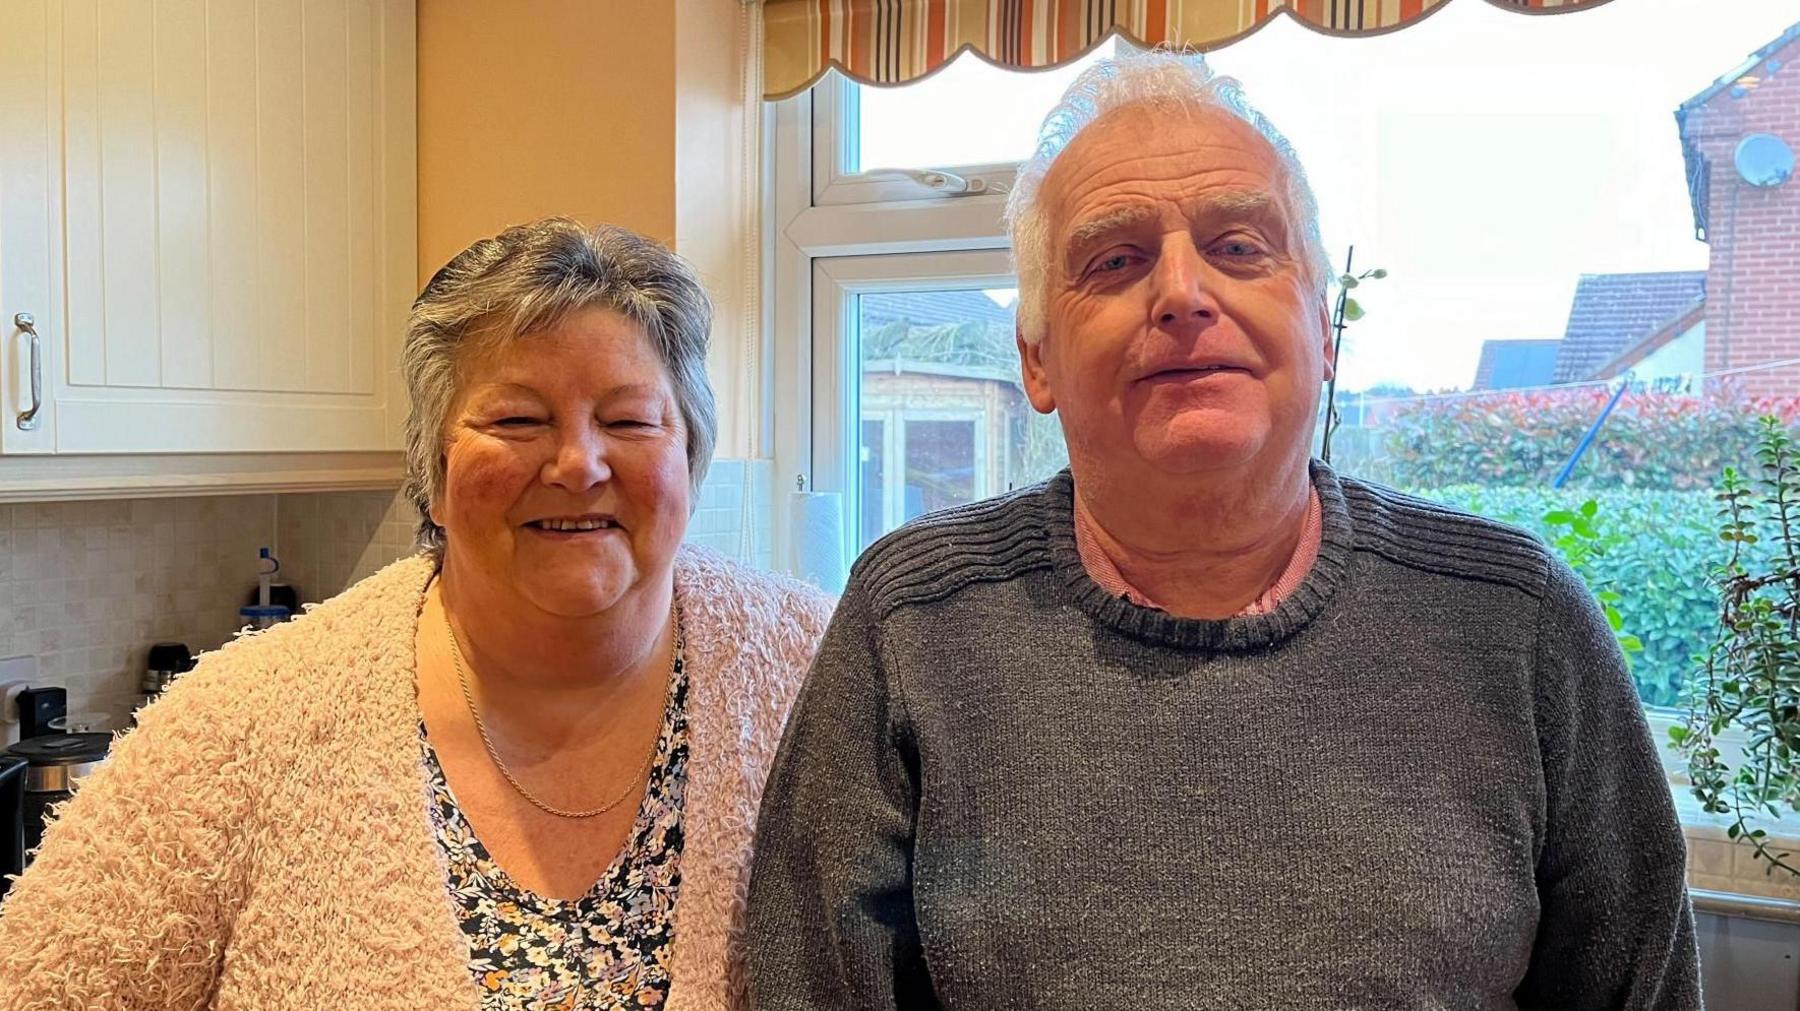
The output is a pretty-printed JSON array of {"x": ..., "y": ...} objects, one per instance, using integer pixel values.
[{"x": 1198, "y": 449}]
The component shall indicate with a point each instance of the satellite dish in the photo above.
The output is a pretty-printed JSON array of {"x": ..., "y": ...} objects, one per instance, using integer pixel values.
[{"x": 1765, "y": 160}]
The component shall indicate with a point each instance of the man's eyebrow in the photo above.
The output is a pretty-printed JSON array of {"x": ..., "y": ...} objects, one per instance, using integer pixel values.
[
  {"x": 1242, "y": 205},
  {"x": 1085, "y": 233}
]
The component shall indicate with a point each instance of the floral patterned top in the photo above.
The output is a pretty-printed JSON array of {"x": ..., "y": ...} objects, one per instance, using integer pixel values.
[{"x": 608, "y": 949}]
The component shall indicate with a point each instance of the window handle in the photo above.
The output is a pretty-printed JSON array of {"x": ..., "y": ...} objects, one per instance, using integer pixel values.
[
  {"x": 28, "y": 419},
  {"x": 939, "y": 181}
]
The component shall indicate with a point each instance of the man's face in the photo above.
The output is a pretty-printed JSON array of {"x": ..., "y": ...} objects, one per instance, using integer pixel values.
[{"x": 1182, "y": 335}]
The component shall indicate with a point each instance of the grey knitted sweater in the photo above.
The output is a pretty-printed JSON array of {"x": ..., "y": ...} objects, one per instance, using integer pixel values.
[{"x": 1421, "y": 782}]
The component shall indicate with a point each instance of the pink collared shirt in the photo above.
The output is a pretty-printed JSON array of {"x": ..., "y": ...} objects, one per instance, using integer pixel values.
[{"x": 1101, "y": 568}]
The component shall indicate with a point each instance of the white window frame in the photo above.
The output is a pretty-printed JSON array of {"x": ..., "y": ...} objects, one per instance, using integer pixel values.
[
  {"x": 837, "y": 122},
  {"x": 837, "y": 366},
  {"x": 833, "y": 234}
]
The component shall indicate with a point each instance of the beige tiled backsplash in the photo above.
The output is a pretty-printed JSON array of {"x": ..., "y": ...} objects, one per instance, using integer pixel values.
[{"x": 86, "y": 587}]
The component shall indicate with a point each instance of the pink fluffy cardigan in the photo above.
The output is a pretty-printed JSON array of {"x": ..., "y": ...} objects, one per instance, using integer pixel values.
[{"x": 262, "y": 840}]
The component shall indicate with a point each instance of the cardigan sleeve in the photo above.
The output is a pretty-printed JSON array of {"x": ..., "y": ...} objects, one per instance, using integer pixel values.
[
  {"x": 830, "y": 921},
  {"x": 1616, "y": 929},
  {"x": 130, "y": 900}
]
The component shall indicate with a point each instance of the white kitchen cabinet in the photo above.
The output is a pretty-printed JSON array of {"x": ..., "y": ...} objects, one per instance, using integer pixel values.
[{"x": 207, "y": 208}]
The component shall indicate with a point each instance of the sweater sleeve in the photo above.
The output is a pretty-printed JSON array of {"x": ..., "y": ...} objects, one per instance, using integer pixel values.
[
  {"x": 830, "y": 921},
  {"x": 129, "y": 902},
  {"x": 1616, "y": 929}
]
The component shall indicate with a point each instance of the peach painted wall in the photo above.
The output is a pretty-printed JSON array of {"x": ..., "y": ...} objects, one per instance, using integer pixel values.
[
  {"x": 536, "y": 107},
  {"x": 627, "y": 111}
]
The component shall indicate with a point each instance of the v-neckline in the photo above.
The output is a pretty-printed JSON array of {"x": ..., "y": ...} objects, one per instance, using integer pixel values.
[{"x": 654, "y": 784}]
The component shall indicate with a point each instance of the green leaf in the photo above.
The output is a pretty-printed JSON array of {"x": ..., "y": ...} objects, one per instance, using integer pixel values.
[
  {"x": 1378, "y": 272},
  {"x": 1348, "y": 280},
  {"x": 1352, "y": 311},
  {"x": 1589, "y": 508}
]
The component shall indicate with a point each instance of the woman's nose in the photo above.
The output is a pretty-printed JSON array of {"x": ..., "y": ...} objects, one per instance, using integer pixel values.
[{"x": 580, "y": 461}]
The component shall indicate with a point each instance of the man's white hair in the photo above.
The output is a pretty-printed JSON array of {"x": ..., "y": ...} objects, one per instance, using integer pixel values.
[{"x": 1163, "y": 79}]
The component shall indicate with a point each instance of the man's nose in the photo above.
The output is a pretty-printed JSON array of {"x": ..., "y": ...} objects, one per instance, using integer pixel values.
[
  {"x": 580, "y": 460},
  {"x": 1183, "y": 293}
]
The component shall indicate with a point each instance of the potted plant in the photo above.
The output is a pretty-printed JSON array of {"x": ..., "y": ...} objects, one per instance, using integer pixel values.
[{"x": 1748, "y": 681}]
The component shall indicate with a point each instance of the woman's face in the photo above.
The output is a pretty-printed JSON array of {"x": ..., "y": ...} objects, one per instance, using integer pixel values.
[{"x": 566, "y": 473}]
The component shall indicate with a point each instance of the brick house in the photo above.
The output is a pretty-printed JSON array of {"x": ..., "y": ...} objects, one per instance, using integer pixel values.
[{"x": 1752, "y": 308}]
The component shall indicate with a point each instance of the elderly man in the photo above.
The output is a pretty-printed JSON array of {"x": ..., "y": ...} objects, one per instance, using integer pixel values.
[{"x": 1200, "y": 723}]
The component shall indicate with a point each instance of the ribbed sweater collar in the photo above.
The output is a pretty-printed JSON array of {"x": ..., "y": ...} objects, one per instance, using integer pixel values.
[{"x": 1055, "y": 506}]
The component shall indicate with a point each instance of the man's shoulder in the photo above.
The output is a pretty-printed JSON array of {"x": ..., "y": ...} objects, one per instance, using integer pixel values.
[
  {"x": 940, "y": 553},
  {"x": 1423, "y": 535}
]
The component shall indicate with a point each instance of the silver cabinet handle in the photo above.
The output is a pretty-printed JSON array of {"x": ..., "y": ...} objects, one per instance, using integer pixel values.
[{"x": 28, "y": 419}]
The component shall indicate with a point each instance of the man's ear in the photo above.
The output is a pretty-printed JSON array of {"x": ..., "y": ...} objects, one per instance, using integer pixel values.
[
  {"x": 1031, "y": 367},
  {"x": 1328, "y": 352}
]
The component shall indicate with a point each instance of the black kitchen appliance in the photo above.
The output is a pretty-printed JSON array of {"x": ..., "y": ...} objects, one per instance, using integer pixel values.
[
  {"x": 37, "y": 707},
  {"x": 12, "y": 819},
  {"x": 53, "y": 762}
]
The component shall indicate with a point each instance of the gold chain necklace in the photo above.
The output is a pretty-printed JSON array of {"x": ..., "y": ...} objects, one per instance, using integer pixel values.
[{"x": 462, "y": 678}]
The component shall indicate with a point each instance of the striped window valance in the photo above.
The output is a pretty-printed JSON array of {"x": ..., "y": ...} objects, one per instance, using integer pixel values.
[{"x": 895, "y": 41}]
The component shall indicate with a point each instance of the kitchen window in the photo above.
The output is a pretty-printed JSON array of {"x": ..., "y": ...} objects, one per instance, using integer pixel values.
[{"x": 1563, "y": 206}]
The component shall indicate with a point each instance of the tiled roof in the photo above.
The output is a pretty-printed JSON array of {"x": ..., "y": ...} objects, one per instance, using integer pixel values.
[
  {"x": 1741, "y": 82},
  {"x": 1749, "y": 66},
  {"x": 1613, "y": 311},
  {"x": 1515, "y": 364},
  {"x": 932, "y": 308}
]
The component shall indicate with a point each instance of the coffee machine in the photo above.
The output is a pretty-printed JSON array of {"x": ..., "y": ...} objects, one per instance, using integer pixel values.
[{"x": 40, "y": 771}]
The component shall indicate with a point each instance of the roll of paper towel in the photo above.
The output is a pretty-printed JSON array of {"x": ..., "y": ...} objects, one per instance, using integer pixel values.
[{"x": 818, "y": 538}]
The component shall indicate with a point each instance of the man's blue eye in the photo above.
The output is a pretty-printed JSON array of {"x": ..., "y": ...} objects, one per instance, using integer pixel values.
[
  {"x": 1240, "y": 247},
  {"x": 1116, "y": 262}
]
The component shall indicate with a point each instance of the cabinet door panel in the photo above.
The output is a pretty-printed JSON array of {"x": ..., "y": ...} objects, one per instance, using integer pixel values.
[
  {"x": 183, "y": 263},
  {"x": 237, "y": 228}
]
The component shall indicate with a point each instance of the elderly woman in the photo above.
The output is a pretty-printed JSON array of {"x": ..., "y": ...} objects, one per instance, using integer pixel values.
[{"x": 518, "y": 770}]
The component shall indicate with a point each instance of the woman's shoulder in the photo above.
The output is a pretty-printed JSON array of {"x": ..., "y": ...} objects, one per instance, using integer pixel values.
[
  {"x": 757, "y": 613},
  {"x": 708, "y": 582}
]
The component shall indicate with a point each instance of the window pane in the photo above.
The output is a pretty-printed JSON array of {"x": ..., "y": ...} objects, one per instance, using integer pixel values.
[
  {"x": 940, "y": 390},
  {"x": 940, "y": 465},
  {"x": 873, "y": 460},
  {"x": 969, "y": 113}
]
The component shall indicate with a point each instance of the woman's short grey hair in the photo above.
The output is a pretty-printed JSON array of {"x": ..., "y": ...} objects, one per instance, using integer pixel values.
[
  {"x": 526, "y": 280},
  {"x": 1164, "y": 79}
]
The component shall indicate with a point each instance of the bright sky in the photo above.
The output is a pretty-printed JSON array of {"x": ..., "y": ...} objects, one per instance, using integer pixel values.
[{"x": 1485, "y": 158}]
